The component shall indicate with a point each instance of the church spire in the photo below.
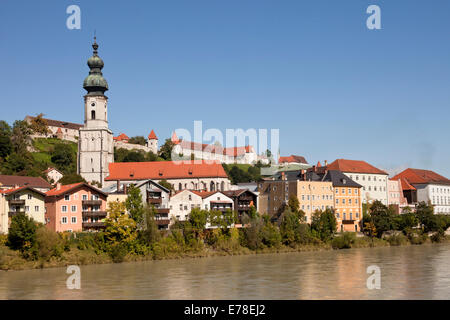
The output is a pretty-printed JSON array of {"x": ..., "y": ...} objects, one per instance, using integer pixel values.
[{"x": 94, "y": 83}]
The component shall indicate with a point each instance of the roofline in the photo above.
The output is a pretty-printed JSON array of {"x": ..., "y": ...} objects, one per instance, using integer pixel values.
[{"x": 77, "y": 186}]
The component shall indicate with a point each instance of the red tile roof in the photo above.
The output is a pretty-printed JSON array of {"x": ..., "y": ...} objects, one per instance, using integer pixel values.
[
  {"x": 406, "y": 185},
  {"x": 158, "y": 170},
  {"x": 174, "y": 138},
  {"x": 231, "y": 151},
  {"x": 292, "y": 159},
  {"x": 71, "y": 187},
  {"x": 152, "y": 136},
  {"x": 34, "y": 182},
  {"x": 419, "y": 176},
  {"x": 122, "y": 137},
  {"x": 354, "y": 166},
  {"x": 14, "y": 190}
]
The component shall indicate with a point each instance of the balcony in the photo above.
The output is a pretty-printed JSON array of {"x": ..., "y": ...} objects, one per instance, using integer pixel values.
[
  {"x": 163, "y": 210},
  {"x": 89, "y": 214},
  {"x": 92, "y": 202},
  {"x": 162, "y": 222},
  {"x": 154, "y": 200},
  {"x": 16, "y": 202},
  {"x": 87, "y": 225},
  {"x": 348, "y": 221},
  {"x": 13, "y": 213}
]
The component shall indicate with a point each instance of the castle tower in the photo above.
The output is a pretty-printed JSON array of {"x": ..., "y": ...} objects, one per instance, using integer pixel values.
[
  {"x": 152, "y": 142},
  {"x": 95, "y": 143}
]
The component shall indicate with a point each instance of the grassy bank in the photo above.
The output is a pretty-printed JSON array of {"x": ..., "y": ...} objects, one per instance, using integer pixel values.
[{"x": 13, "y": 260}]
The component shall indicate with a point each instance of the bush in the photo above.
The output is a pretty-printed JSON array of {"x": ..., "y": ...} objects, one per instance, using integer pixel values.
[
  {"x": 271, "y": 236},
  {"x": 22, "y": 235},
  {"x": 344, "y": 241},
  {"x": 118, "y": 252},
  {"x": 417, "y": 238},
  {"x": 397, "y": 240},
  {"x": 438, "y": 236},
  {"x": 49, "y": 243}
]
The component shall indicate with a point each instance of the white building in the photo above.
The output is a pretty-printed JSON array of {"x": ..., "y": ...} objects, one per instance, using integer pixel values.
[
  {"x": 373, "y": 180},
  {"x": 201, "y": 151},
  {"x": 58, "y": 129},
  {"x": 95, "y": 143},
  {"x": 53, "y": 175},
  {"x": 427, "y": 186}
]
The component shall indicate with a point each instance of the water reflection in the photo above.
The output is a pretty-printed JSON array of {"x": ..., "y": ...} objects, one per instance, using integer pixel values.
[{"x": 414, "y": 272}]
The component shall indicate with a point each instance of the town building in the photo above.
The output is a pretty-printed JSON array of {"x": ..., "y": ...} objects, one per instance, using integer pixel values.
[
  {"x": 202, "y": 151},
  {"x": 75, "y": 207},
  {"x": 95, "y": 143},
  {"x": 152, "y": 142},
  {"x": 243, "y": 200},
  {"x": 12, "y": 182},
  {"x": 182, "y": 202},
  {"x": 192, "y": 175},
  {"x": 425, "y": 185},
  {"x": 154, "y": 194},
  {"x": 58, "y": 129},
  {"x": 53, "y": 175},
  {"x": 373, "y": 180},
  {"x": 312, "y": 194},
  {"x": 396, "y": 199},
  {"x": 21, "y": 200}
]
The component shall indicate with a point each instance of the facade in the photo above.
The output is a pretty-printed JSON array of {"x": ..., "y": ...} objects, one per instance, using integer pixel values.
[
  {"x": 95, "y": 143},
  {"x": 192, "y": 175},
  {"x": 23, "y": 199},
  {"x": 58, "y": 129},
  {"x": 75, "y": 207},
  {"x": 243, "y": 200},
  {"x": 312, "y": 195},
  {"x": 184, "y": 201},
  {"x": 201, "y": 151},
  {"x": 425, "y": 185},
  {"x": 373, "y": 180},
  {"x": 154, "y": 194},
  {"x": 53, "y": 175},
  {"x": 395, "y": 195},
  {"x": 12, "y": 182}
]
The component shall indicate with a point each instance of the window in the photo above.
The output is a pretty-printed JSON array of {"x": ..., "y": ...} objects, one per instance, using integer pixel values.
[
  {"x": 73, "y": 208},
  {"x": 343, "y": 201},
  {"x": 349, "y": 191},
  {"x": 303, "y": 197},
  {"x": 349, "y": 201},
  {"x": 85, "y": 197},
  {"x": 343, "y": 191},
  {"x": 190, "y": 197},
  {"x": 64, "y": 209},
  {"x": 356, "y": 191},
  {"x": 27, "y": 209},
  {"x": 30, "y": 197},
  {"x": 64, "y": 220},
  {"x": 95, "y": 197},
  {"x": 181, "y": 206},
  {"x": 337, "y": 191},
  {"x": 337, "y": 201},
  {"x": 74, "y": 220},
  {"x": 66, "y": 197},
  {"x": 93, "y": 114},
  {"x": 36, "y": 208}
]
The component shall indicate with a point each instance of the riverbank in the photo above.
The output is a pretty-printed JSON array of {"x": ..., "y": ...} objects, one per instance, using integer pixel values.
[{"x": 13, "y": 260}]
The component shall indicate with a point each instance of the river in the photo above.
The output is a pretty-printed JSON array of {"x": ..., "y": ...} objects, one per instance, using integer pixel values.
[{"x": 410, "y": 272}]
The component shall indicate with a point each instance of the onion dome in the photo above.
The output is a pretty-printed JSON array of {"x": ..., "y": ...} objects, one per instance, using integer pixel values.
[{"x": 94, "y": 83}]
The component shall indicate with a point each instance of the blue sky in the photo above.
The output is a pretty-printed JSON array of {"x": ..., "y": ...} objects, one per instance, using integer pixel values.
[{"x": 309, "y": 68}]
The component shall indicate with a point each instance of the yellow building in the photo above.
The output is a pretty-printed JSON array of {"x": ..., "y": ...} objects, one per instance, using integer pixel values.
[{"x": 314, "y": 195}]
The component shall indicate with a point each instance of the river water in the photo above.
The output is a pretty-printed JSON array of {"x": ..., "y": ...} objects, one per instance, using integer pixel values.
[{"x": 411, "y": 272}]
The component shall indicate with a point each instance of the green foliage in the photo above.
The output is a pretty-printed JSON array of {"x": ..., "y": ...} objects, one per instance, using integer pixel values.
[
  {"x": 165, "y": 151},
  {"x": 49, "y": 243},
  {"x": 165, "y": 184},
  {"x": 39, "y": 125},
  {"x": 323, "y": 224},
  {"x": 429, "y": 221},
  {"x": 63, "y": 158},
  {"x": 135, "y": 205},
  {"x": 381, "y": 217},
  {"x": 125, "y": 155},
  {"x": 397, "y": 240},
  {"x": 71, "y": 178},
  {"x": 22, "y": 235},
  {"x": 150, "y": 232},
  {"x": 5, "y": 139},
  {"x": 344, "y": 241},
  {"x": 240, "y": 173},
  {"x": 120, "y": 228},
  {"x": 198, "y": 219},
  {"x": 290, "y": 224},
  {"x": 138, "y": 140}
]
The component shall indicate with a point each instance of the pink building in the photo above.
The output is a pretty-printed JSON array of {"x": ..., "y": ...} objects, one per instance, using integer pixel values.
[
  {"x": 395, "y": 195},
  {"x": 75, "y": 207}
]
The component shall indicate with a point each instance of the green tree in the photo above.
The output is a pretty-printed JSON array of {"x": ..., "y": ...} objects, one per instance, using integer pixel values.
[
  {"x": 120, "y": 228},
  {"x": 5, "y": 139},
  {"x": 135, "y": 205},
  {"x": 150, "y": 232},
  {"x": 427, "y": 219},
  {"x": 198, "y": 219},
  {"x": 39, "y": 125},
  {"x": 165, "y": 151},
  {"x": 22, "y": 235},
  {"x": 64, "y": 158},
  {"x": 20, "y": 137},
  {"x": 71, "y": 178},
  {"x": 324, "y": 224},
  {"x": 381, "y": 217},
  {"x": 289, "y": 226},
  {"x": 165, "y": 184},
  {"x": 138, "y": 140}
]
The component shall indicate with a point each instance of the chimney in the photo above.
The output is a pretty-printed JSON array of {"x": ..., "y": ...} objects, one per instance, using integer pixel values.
[
  {"x": 58, "y": 186},
  {"x": 314, "y": 168},
  {"x": 283, "y": 176},
  {"x": 326, "y": 163},
  {"x": 125, "y": 189},
  {"x": 303, "y": 175},
  {"x": 118, "y": 186}
]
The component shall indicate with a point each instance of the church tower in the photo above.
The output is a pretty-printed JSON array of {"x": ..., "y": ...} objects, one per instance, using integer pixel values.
[{"x": 95, "y": 143}]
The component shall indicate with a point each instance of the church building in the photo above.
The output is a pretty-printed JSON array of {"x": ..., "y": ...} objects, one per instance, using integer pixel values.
[{"x": 95, "y": 143}]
